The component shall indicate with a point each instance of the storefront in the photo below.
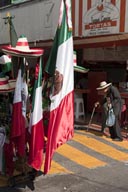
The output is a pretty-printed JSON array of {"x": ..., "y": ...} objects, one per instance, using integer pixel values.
[{"x": 100, "y": 36}]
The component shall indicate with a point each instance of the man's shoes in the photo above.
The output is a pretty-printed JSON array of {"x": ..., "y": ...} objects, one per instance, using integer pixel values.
[{"x": 117, "y": 139}]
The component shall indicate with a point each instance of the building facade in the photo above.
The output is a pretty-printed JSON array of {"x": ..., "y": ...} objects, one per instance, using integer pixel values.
[
  {"x": 100, "y": 32},
  {"x": 100, "y": 28}
]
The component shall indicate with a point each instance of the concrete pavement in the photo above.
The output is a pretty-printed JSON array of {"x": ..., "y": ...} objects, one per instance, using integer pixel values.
[{"x": 90, "y": 162}]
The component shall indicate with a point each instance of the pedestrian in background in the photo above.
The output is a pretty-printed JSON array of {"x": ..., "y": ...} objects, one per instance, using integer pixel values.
[{"x": 111, "y": 98}]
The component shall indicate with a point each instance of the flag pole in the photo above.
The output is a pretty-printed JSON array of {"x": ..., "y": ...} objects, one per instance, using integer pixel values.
[
  {"x": 8, "y": 18},
  {"x": 13, "y": 39},
  {"x": 7, "y": 21}
]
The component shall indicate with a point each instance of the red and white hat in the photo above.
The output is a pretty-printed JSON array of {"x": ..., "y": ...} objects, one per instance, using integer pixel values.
[
  {"x": 4, "y": 59},
  {"x": 7, "y": 85},
  {"x": 22, "y": 49}
]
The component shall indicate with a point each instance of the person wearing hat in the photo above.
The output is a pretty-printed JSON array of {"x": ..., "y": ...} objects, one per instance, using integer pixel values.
[{"x": 112, "y": 98}]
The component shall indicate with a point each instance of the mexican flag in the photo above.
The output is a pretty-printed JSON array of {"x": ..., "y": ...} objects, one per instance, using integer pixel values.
[
  {"x": 60, "y": 64},
  {"x": 36, "y": 130},
  {"x": 18, "y": 119}
]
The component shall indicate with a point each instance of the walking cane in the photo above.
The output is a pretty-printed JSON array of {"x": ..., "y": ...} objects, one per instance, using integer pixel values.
[{"x": 91, "y": 118}]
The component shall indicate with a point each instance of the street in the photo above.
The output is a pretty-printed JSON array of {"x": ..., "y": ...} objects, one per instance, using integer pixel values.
[{"x": 89, "y": 162}]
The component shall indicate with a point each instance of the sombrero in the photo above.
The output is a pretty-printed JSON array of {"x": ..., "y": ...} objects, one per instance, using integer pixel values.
[
  {"x": 5, "y": 60},
  {"x": 80, "y": 69},
  {"x": 22, "y": 49},
  {"x": 7, "y": 85},
  {"x": 103, "y": 85}
]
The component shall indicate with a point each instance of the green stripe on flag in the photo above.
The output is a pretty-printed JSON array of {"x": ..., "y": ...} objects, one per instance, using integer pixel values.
[
  {"x": 38, "y": 80},
  {"x": 63, "y": 33},
  {"x": 7, "y": 67}
]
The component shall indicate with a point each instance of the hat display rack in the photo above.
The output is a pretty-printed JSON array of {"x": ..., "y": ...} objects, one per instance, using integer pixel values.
[
  {"x": 21, "y": 52},
  {"x": 5, "y": 112},
  {"x": 7, "y": 87},
  {"x": 5, "y": 125}
]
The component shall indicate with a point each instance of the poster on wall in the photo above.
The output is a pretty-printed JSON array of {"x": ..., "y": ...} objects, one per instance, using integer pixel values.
[{"x": 100, "y": 17}]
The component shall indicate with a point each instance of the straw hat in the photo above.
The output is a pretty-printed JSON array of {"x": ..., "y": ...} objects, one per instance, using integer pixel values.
[
  {"x": 22, "y": 49},
  {"x": 103, "y": 85},
  {"x": 7, "y": 85}
]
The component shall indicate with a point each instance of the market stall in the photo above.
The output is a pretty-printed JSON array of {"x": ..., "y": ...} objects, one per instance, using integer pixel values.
[{"x": 15, "y": 112}]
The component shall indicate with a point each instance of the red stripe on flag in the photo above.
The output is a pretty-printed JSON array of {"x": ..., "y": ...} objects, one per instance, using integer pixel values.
[
  {"x": 36, "y": 146},
  {"x": 18, "y": 128},
  {"x": 60, "y": 127}
]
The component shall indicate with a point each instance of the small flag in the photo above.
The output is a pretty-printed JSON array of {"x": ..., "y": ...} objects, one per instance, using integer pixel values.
[
  {"x": 36, "y": 130},
  {"x": 74, "y": 58},
  {"x": 18, "y": 119},
  {"x": 6, "y": 63}
]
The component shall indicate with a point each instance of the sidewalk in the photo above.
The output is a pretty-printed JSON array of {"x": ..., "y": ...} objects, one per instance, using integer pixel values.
[
  {"x": 84, "y": 123},
  {"x": 81, "y": 124},
  {"x": 95, "y": 125}
]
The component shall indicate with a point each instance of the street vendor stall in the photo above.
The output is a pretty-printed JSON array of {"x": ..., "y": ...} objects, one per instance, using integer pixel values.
[{"x": 15, "y": 112}]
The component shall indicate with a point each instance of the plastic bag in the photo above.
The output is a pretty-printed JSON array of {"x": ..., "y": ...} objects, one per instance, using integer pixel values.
[
  {"x": 111, "y": 118},
  {"x": 2, "y": 136}
]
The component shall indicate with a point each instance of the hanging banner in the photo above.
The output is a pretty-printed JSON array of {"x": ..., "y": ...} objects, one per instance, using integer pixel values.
[{"x": 100, "y": 17}]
